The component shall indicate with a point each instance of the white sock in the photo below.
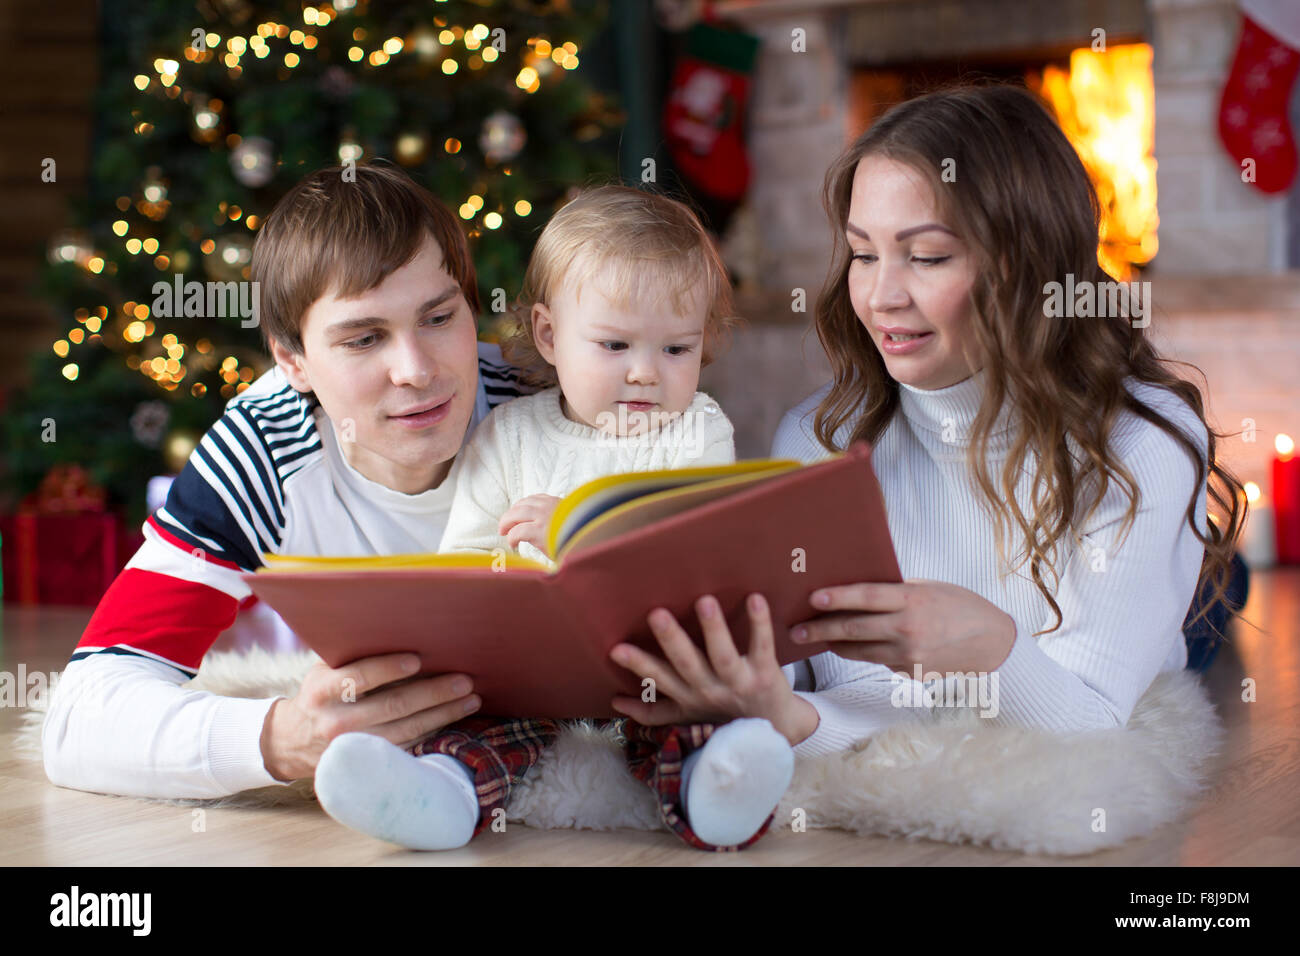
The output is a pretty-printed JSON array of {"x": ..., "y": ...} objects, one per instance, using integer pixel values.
[
  {"x": 734, "y": 782},
  {"x": 371, "y": 785}
]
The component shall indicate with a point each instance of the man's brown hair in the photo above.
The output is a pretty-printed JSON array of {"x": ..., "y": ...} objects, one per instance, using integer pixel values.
[{"x": 343, "y": 236}]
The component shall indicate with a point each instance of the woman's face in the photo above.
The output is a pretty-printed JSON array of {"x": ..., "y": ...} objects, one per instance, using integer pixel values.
[{"x": 910, "y": 276}]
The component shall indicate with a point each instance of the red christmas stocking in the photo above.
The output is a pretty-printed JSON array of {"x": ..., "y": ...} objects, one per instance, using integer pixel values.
[
  {"x": 1253, "y": 115},
  {"x": 703, "y": 120}
]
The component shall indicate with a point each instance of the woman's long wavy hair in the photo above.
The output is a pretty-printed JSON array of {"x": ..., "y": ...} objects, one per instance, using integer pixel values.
[{"x": 1024, "y": 205}]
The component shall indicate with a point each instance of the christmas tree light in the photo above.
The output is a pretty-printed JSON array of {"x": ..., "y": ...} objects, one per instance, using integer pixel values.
[{"x": 216, "y": 111}]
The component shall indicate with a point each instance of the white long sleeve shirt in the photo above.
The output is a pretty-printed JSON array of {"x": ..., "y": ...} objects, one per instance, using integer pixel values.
[
  {"x": 1123, "y": 604},
  {"x": 528, "y": 447}
]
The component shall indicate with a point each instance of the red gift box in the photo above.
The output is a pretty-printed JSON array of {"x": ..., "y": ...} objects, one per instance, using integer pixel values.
[
  {"x": 63, "y": 547},
  {"x": 64, "y": 559}
]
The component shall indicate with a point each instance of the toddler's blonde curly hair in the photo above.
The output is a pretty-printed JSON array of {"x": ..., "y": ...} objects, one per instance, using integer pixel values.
[{"x": 633, "y": 245}]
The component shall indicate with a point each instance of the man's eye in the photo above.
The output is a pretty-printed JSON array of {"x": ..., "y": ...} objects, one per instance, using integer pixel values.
[
  {"x": 441, "y": 319},
  {"x": 361, "y": 343},
  {"x": 614, "y": 346}
]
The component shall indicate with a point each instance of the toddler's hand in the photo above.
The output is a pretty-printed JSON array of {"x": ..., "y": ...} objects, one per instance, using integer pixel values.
[{"x": 527, "y": 520}]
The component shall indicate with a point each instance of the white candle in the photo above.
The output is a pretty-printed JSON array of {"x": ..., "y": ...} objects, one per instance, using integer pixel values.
[{"x": 1256, "y": 544}]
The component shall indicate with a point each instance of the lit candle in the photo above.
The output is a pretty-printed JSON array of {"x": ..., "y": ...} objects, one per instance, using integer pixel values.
[
  {"x": 1256, "y": 542},
  {"x": 1286, "y": 500}
]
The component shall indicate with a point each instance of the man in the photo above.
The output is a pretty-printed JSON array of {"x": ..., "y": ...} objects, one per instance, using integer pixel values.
[{"x": 368, "y": 304}]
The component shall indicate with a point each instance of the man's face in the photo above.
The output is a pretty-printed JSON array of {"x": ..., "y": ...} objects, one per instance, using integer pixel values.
[{"x": 395, "y": 369}]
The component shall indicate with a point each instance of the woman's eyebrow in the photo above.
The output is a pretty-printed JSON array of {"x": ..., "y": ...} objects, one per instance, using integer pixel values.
[{"x": 904, "y": 233}]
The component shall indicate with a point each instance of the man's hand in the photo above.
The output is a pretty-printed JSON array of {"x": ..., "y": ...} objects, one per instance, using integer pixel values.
[
  {"x": 354, "y": 698},
  {"x": 528, "y": 520}
]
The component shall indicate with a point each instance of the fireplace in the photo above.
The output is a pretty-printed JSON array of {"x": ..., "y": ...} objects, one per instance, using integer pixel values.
[
  {"x": 1103, "y": 95},
  {"x": 1219, "y": 254}
]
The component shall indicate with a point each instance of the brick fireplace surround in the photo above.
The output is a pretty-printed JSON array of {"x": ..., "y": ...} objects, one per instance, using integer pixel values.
[{"x": 1224, "y": 298}]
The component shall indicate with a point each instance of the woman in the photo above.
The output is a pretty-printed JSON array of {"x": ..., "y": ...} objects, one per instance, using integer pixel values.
[{"x": 1045, "y": 477}]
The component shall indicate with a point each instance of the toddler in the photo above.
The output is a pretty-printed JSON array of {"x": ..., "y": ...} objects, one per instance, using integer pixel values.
[{"x": 625, "y": 298}]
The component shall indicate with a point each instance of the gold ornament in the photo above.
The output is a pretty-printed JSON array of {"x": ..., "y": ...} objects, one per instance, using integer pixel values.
[
  {"x": 71, "y": 245},
  {"x": 177, "y": 448},
  {"x": 253, "y": 161},
  {"x": 230, "y": 256},
  {"x": 424, "y": 41},
  {"x": 153, "y": 187},
  {"x": 412, "y": 148},
  {"x": 502, "y": 137},
  {"x": 207, "y": 121}
]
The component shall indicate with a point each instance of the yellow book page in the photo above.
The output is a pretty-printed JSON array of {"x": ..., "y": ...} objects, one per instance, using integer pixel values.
[
  {"x": 456, "y": 559},
  {"x": 646, "y": 510},
  {"x": 720, "y": 479},
  {"x": 680, "y": 481}
]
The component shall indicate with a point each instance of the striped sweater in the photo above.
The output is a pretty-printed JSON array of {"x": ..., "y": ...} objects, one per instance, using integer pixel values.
[{"x": 267, "y": 477}]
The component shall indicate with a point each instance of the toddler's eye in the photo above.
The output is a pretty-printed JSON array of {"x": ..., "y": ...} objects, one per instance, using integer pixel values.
[
  {"x": 678, "y": 349},
  {"x": 614, "y": 346}
]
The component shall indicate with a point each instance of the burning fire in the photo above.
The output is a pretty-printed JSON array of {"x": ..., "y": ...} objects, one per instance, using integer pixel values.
[{"x": 1105, "y": 103}]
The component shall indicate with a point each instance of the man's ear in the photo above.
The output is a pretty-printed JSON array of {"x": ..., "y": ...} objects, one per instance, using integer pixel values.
[
  {"x": 544, "y": 331},
  {"x": 291, "y": 363}
]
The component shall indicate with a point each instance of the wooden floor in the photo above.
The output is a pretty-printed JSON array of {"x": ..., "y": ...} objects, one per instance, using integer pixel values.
[{"x": 1251, "y": 815}]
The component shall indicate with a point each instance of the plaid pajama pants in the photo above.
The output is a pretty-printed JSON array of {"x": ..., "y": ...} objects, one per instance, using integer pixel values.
[{"x": 500, "y": 750}]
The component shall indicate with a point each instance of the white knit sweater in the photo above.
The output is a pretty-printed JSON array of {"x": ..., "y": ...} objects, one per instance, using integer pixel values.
[
  {"x": 527, "y": 447},
  {"x": 1122, "y": 610}
]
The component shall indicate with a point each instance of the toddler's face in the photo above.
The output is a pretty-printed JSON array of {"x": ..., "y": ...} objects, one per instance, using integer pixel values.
[{"x": 621, "y": 368}]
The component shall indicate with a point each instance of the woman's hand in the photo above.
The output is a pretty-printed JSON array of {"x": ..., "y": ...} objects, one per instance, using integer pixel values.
[
  {"x": 724, "y": 686},
  {"x": 528, "y": 520},
  {"x": 940, "y": 626}
]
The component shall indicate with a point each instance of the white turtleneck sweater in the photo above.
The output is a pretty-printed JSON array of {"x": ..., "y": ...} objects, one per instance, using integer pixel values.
[
  {"x": 527, "y": 447},
  {"x": 1122, "y": 608}
]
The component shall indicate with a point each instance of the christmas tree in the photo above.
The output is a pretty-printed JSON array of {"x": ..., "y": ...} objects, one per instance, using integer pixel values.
[{"x": 207, "y": 114}]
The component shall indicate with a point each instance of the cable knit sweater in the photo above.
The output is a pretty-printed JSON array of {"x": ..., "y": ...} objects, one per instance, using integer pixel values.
[
  {"x": 527, "y": 447},
  {"x": 1123, "y": 603}
]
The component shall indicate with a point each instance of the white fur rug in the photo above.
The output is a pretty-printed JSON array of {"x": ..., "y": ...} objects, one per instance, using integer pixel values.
[{"x": 954, "y": 778}]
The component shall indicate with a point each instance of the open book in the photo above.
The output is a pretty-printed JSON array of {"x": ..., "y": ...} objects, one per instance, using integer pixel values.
[{"x": 536, "y": 640}]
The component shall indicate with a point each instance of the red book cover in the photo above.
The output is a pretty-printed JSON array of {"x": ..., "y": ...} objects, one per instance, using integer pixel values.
[{"x": 536, "y": 641}]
